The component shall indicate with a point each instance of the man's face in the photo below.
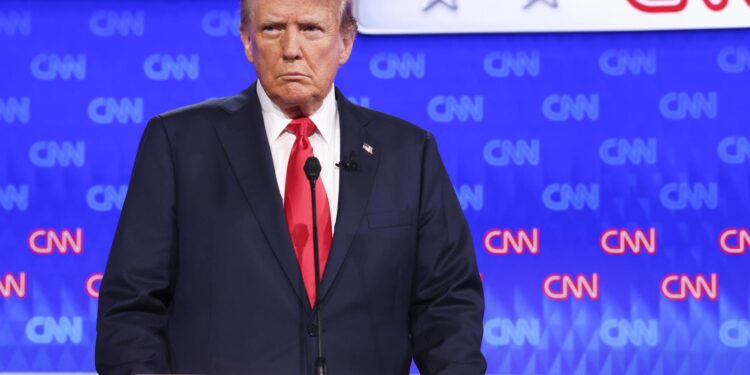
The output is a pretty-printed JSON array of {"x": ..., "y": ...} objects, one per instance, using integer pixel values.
[{"x": 297, "y": 47}]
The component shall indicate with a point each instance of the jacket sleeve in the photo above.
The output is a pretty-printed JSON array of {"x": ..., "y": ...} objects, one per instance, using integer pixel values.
[
  {"x": 447, "y": 299},
  {"x": 136, "y": 289}
]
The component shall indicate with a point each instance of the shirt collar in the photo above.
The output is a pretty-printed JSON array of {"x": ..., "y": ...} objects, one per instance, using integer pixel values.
[{"x": 276, "y": 120}]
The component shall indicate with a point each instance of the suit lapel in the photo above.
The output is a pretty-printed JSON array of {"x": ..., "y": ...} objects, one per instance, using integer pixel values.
[
  {"x": 354, "y": 186},
  {"x": 244, "y": 139}
]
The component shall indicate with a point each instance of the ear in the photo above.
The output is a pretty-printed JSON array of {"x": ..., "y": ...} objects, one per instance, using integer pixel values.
[
  {"x": 247, "y": 43},
  {"x": 347, "y": 43}
]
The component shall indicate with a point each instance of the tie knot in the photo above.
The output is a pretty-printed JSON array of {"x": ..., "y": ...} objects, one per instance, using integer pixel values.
[{"x": 302, "y": 126}]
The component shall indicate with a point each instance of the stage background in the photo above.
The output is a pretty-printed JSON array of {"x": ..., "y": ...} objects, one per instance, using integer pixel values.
[{"x": 552, "y": 138}]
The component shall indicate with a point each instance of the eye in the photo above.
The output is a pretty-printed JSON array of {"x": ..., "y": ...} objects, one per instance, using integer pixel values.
[
  {"x": 271, "y": 28},
  {"x": 311, "y": 28}
]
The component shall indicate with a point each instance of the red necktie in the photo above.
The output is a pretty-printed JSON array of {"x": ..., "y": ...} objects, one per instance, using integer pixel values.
[{"x": 298, "y": 207}]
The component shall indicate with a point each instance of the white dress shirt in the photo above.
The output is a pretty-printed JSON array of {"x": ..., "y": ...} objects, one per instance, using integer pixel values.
[{"x": 325, "y": 141}]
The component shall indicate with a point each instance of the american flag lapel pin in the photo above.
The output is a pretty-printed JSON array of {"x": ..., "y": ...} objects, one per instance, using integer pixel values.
[{"x": 366, "y": 146}]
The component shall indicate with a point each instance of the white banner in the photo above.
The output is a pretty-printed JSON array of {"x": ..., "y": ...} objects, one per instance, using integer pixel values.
[{"x": 479, "y": 16}]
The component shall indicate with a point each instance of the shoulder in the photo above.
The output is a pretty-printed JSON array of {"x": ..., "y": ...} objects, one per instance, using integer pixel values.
[
  {"x": 206, "y": 111},
  {"x": 198, "y": 120},
  {"x": 390, "y": 131}
]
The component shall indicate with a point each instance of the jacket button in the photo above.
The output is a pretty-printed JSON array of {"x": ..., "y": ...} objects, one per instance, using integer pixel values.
[{"x": 312, "y": 330}]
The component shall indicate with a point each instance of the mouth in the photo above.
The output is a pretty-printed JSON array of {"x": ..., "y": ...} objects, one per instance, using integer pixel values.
[{"x": 292, "y": 75}]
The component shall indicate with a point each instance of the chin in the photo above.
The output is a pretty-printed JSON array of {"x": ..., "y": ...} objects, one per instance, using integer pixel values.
[{"x": 297, "y": 94}]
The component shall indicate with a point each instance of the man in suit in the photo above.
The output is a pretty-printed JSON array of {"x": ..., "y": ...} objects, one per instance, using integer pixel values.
[{"x": 211, "y": 266}]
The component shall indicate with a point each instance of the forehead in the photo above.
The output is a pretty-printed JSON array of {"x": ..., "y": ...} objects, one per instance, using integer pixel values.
[{"x": 294, "y": 8}]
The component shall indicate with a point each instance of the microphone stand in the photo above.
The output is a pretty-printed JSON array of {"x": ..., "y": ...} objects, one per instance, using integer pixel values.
[{"x": 312, "y": 170}]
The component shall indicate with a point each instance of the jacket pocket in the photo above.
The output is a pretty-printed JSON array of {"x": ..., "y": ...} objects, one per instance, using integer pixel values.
[{"x": 390, "y": 218}]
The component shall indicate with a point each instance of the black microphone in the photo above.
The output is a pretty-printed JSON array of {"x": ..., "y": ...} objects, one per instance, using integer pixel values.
[
  {"x": 351, "y": 164},
  {"x": 312, "y": 170}
]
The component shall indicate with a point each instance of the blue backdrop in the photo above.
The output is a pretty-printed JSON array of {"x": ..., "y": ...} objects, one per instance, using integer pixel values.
[{"x": 605, "y": 176}]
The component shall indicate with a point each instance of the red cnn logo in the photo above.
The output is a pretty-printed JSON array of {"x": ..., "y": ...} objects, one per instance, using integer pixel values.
[
  {"x": 686, "y": 285},
  {"x": 9, "y": 284},
  {"x": 42, "y": 241},
  {"x": 92, "y": 285},
  {"x": 734, "y": 241},
  {"x": 671, "y": 6},
  {"x": 568, "y": 286},
  {"x": 500, "y": 242},
  {"x": 624, "y": 240}
]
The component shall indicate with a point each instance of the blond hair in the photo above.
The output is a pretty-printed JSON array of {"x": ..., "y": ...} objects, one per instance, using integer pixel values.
[{"x": 346, "y": 14}]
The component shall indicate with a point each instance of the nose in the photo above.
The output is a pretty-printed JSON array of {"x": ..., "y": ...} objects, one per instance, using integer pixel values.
[{"x": 290, "y": 45}]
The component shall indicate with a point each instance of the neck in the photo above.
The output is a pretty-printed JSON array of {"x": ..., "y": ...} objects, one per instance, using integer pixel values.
[
  {"x": 293, "y": 108},
  {"x": 297, "y": 110}
]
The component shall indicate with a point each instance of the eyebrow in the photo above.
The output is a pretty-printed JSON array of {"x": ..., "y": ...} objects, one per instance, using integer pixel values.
[
  {"x": 271, "y": 23},
  {"x": 310, "y": 21},
  {"x": 283, "y": 24},
  {"x": 306, "y": 19}
]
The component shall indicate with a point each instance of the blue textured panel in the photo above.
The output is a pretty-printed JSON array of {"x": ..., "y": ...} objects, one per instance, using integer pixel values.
[{"x": 562, "y": 148}]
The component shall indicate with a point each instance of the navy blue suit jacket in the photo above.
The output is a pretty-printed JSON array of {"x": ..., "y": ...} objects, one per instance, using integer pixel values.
[{"x": 202, "y": 276}]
